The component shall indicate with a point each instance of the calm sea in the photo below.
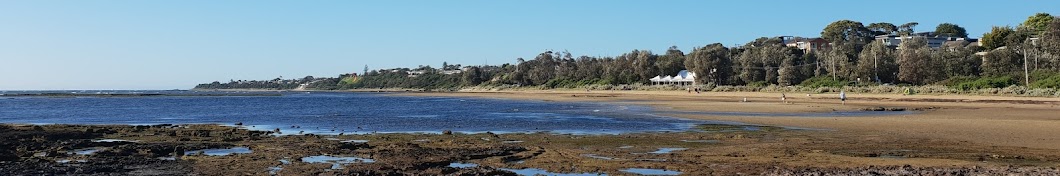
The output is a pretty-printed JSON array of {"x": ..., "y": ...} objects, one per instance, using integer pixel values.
[{"x": 336, "y": 112}]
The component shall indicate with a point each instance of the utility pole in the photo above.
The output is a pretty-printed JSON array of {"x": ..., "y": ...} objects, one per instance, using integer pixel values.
[
  {"x": 875, "y": 68},
  {"x": 1026, "y": 73}
]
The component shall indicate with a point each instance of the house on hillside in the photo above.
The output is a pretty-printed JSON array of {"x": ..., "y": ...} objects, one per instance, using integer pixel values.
[
  {"x": 805, "y": 44},
  {"x": 684, "y": 77},
  {"x": 933, "y": 40}
]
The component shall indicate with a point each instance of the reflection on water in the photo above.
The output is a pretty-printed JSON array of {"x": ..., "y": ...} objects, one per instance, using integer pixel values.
[
  {"x": 347, "y": 113},
  {"x": 667, "y": 150},
  {"x": 219, "y": 152},
  {"x": 87, "y": 151},
  {"x": 462, "y": 165},
  {"x": 336, "y": 161}
]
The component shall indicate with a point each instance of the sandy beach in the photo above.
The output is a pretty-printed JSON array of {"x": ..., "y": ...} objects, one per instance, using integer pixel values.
[{"x": 1030, "y": 122}]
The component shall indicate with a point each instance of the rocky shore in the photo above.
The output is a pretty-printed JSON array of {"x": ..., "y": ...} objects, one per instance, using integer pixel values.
[{"x": 708, "y": 150}]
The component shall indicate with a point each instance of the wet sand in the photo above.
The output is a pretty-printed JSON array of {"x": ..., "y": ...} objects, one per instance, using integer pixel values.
[{"x": 1031, "y": 122}]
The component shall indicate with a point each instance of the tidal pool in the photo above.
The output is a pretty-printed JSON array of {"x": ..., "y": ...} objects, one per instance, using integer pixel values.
[
  {"x": 462, "y": 165},
  {"x": 667, "y": 150},
  {"x": 220, "y": 152},
  {"x": 336, "y": 161}
]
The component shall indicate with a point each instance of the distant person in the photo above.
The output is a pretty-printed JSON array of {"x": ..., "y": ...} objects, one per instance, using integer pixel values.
[
  {"x": 689, "y": 90},
  {"x": 783, "y": 97},
  {"x": 843, "y": 97}
]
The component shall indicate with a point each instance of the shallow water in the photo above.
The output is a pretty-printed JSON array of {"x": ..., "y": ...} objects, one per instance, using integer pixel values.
[
  {"x": 667, "y": 150},
  {"x": 220, "y": 152},
  {"x": 363, "y": 113},
  {"x": 349, "y": 113},
  {"x": 462, "y": 165},
  {"x": 336, "y": 161},
  {"x": 598, "y": 157},
  {"x": 112, "y": 140},
  {"x": 87, "y": 151},
  {"x": 643, "y": 171}
]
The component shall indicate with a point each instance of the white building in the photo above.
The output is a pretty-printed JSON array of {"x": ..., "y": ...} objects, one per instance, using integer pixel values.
[{"x": 684, "y": 77}]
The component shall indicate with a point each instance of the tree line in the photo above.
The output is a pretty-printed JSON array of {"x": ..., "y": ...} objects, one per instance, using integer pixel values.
[{"x": 1023, "y": 55}]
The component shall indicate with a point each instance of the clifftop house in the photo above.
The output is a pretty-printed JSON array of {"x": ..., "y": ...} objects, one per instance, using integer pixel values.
[
  {"x": 805, "y": 44},
  {"x": 933, "y": 40}
]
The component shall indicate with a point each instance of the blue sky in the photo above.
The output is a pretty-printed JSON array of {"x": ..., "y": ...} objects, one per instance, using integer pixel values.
[{"x": 125, "y": 44}]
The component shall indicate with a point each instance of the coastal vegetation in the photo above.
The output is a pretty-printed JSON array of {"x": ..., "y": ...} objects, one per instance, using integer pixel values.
[{"x": 1025, "y": 57}]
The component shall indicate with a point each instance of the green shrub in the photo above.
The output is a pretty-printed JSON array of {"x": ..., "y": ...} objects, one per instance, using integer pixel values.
[
  {"x": 758, "y": 84},
  {"x": 817, "y": 82},
  {"x": 986, "y": 82},
  {"x": 1050, "y": 82},
  {"x": 956, "y": 80}
]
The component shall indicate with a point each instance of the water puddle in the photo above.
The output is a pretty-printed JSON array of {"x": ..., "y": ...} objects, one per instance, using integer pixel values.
[
  {"x": 597, "y": 156},
  {"x": 112, "y": 140},
  {"x": 643, "y": 171},
  {"x": 347, "y": 141},
  {"x": 462, "y": 165},
  {"x": 219, "y": 152},
  {"x": 667, "y": 150},
  {"x": 652, "y": 160},
  {"x": 626, "y": 147},
  {"x": 276, "y": 169},
  {"x": 64, "y": 161},
  {"x": 336, "y": 161},
  {"x": 87, "y": 151},
  {"x": 168, "y": 158},
  {"x": 536, "y": 171},
  {"x": 511, "y": 142}
]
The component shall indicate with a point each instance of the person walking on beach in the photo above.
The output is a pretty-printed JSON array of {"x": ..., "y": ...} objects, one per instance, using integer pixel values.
[
  {"x": 783, "y": 98},
  {"x": 843, "y": 97}
]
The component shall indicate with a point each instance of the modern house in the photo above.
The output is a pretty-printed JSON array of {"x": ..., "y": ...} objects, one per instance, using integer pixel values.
[
  {"x": 933, "y": 40},
  {"x": 684, "y": 77},
  {"x": 805, "y": 44}
]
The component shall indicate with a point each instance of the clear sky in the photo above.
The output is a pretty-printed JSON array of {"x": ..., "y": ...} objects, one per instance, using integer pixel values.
[{"x": 127, "y": 44}]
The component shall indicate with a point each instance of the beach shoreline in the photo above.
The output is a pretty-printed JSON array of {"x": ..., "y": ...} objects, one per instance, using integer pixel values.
[{"x": 988, "y": 120}]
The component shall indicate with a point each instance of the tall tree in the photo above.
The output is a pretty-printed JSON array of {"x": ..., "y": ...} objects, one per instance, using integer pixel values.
[
  {"x": 847, "y": 32},
  {"x": 1002, "y": 62},
  {"x": 960, "y": 61},
  {"x": 1051, "y": 40},
  {"x": 882, "y": 28},
  {"x": 644, "y": 65},
  {"x": 672, "y": 62},
  {"x": 1038, "y": 22},
  {"x": 951, "y": 29},
  {"x": 877, "y": 63},
  {"x": 914, "y": 61},
  {"x": 711, "y": 64},
  {"x": 907, "y": 28},
  {"x": 996, "y": 37},
  {"x": 838, "y": 63}
]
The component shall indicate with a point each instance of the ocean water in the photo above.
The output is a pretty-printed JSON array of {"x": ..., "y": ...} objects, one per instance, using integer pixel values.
[{"x": 338, "y": 112}]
